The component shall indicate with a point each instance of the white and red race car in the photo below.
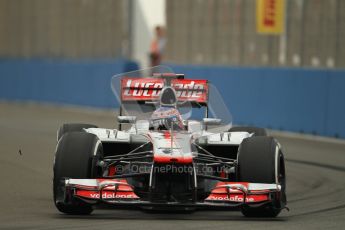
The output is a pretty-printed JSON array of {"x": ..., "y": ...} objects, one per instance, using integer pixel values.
[{"x": 174, "y": 148}]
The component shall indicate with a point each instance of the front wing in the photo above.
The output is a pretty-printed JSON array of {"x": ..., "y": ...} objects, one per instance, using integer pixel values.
[{"x": 118, "y": 193}]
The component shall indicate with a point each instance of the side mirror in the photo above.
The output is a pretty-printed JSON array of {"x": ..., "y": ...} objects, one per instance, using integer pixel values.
[
  {"x": 126, "y": 119},
  {"x": 142, "y": 125},
  {"x": 211, "y": 121},
  {"x": 194, "y": 126}
]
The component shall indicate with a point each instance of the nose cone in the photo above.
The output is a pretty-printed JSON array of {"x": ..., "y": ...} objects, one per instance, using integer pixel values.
[{"x": 168, "y": 97}]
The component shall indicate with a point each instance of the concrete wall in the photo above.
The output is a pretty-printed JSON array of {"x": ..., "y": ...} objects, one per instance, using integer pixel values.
[
  {"x": 84, "y": 83},
  {"x": 299, "y": 100}
]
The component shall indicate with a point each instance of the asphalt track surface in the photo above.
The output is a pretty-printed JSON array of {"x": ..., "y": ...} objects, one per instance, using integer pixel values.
[{"x": 315, "y": 186}]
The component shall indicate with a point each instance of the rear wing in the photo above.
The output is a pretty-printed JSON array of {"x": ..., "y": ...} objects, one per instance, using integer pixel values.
[{"x": 148, "y": 89}]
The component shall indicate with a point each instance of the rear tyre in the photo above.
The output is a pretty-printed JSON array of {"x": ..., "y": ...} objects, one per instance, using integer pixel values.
[
  {"x": 256, "y": 130},
  {"x": 260, "y": 160},
  {"x": 73, "y": 127},
  {"x": 76, "y": 157}
]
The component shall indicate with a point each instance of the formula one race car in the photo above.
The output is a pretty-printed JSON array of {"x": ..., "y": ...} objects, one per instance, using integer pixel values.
[{"x": 174, "y": 149}]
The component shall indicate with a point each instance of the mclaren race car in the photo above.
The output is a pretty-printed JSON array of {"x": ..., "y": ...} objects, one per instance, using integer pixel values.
[{"x": 173, "y": 148}]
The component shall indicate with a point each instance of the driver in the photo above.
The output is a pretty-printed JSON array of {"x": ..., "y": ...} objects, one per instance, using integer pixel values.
[{"x": 165, "y": 118}]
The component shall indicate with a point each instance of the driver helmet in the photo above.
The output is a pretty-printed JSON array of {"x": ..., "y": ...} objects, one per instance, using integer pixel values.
[{"x": 165, "y": 118}]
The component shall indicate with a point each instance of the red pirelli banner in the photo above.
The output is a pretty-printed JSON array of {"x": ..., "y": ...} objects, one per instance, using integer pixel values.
[{"x": 270, "y": 16}]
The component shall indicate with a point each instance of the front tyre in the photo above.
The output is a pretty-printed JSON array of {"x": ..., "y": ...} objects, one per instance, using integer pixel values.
[
  {"x": 260, "y": 160},
  {"x": 72, "y": 127},
  {"x": 76, "y": 157}
]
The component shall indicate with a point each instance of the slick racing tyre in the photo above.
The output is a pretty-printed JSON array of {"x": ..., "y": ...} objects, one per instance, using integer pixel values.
[
  {"x": 73, "y": 127},
  {"x": 260, "y": 160},
  {"x": 76, "y": 157},
  {"x": 257, "y": 131}
]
